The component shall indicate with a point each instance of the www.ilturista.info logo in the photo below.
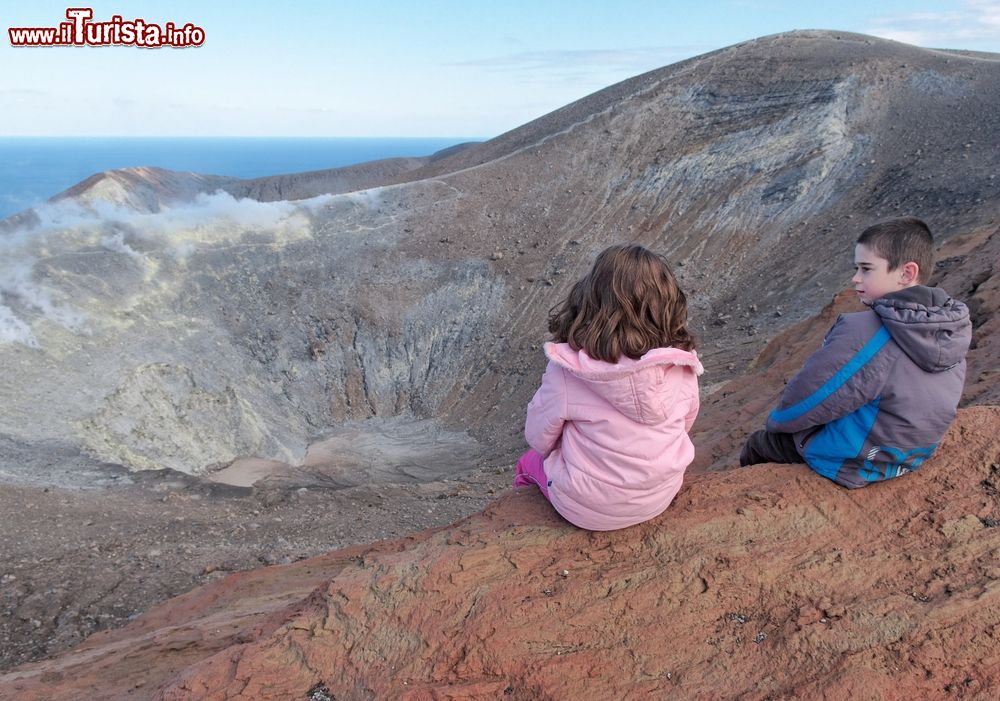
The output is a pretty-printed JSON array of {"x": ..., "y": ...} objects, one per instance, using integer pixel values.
[{"x": 81, "y": 31}]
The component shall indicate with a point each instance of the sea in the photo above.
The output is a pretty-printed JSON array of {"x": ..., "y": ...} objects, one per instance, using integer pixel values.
[{"x": 32, "y": 169}]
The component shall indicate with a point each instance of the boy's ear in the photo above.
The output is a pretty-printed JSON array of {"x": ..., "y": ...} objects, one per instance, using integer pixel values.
[{"x": 910, "y": 274}]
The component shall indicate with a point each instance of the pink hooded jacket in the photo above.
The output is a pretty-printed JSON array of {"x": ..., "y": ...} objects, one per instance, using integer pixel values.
[{"x": 614, "y": 435}]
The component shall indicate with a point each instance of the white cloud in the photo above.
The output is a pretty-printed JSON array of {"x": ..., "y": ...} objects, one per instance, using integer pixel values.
[
  {"x": 974, "y": 25},
  {"x": 218, "y": 212},
  {"x": 13, "y": 330},
  {"x": 17, "y": 288},
  {"x": 178, "y": 231},
  {"x": 116, "y": 242},
  {"x": 627, "y": 60},
  {"x": 22, "y": 92},
  {"x": 370, "y": 198}
]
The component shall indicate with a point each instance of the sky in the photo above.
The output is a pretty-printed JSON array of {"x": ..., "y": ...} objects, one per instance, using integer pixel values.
[{"x": 450, "y": 68}]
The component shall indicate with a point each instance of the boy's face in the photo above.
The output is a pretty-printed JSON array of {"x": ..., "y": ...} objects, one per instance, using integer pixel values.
[{"x": 873, "y": 279}]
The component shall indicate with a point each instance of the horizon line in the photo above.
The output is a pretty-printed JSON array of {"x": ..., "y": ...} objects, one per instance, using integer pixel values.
[{"x": 233, "y": 136}]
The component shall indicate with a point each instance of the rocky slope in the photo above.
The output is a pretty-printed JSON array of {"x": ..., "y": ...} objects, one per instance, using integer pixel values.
[
  {"x": 142, "y": 544},
  {"x": 299, "y": 186},
  {"x": 221, "y": 329},
  {"x": 75, "y": 562},
  {"x": 769, "y": 582}
]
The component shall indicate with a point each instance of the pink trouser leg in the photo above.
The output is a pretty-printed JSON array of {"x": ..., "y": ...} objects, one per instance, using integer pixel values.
[{"x": 530, "y": 470}]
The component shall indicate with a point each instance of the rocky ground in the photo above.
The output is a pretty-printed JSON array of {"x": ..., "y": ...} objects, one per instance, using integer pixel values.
[
  {"x": 764, "y": 583},
  {"x": 80, "y": 561},
  {"x": 74, "y": 561}
]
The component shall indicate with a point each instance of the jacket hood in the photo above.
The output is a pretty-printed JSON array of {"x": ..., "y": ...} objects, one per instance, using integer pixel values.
[
  {"x": 631, "y": 386},
  {"x": 931, "y": 327}
]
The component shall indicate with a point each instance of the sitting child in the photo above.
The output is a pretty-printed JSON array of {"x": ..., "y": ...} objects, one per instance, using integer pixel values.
[
  {"x": 875, "y": 400},
  {"x": 609, "y": 425}
]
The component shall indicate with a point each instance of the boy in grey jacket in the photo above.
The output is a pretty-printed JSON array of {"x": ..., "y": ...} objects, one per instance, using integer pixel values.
[{"x": 875, "y": 400}]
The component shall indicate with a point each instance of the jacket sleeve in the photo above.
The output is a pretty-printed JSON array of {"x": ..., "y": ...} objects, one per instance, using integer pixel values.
[
  {"x": 547, "y": 411},
  {"x": 692, "y": 410},
  {"x": 848, "y": 372}
]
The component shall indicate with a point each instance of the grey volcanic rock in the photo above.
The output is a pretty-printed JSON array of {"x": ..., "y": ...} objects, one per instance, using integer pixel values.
[
  {"x": 180, "y": 426},
  {"x": 139, "y": 189},
  {"x": 299, "y": 186},
  {"x": 195, "y": 333}
]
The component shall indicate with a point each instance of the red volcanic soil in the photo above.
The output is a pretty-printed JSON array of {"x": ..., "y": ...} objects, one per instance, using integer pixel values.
[{"x": 766, "y": 582}]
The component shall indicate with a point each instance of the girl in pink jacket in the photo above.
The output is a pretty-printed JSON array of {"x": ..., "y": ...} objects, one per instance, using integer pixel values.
[{"x": 609, "y": 426}]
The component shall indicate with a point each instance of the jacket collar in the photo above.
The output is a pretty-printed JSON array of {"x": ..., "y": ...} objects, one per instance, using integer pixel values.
[{"x": 583, "y": 366}]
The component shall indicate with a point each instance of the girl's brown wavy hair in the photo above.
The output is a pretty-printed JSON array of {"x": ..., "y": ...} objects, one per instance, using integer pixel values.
[{"x": 628, "y": 304}]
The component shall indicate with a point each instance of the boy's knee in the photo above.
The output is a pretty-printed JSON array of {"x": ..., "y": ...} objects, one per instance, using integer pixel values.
[
  {"x": 746, "y": 452},
  {"x": 761, "y": 447}
]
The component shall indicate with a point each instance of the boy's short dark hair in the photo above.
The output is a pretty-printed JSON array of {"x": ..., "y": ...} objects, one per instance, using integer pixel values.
[{"x": 900, "y": 241}]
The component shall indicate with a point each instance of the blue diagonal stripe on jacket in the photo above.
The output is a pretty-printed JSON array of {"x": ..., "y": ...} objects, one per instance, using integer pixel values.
[{"x": 838, "y": 380}]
